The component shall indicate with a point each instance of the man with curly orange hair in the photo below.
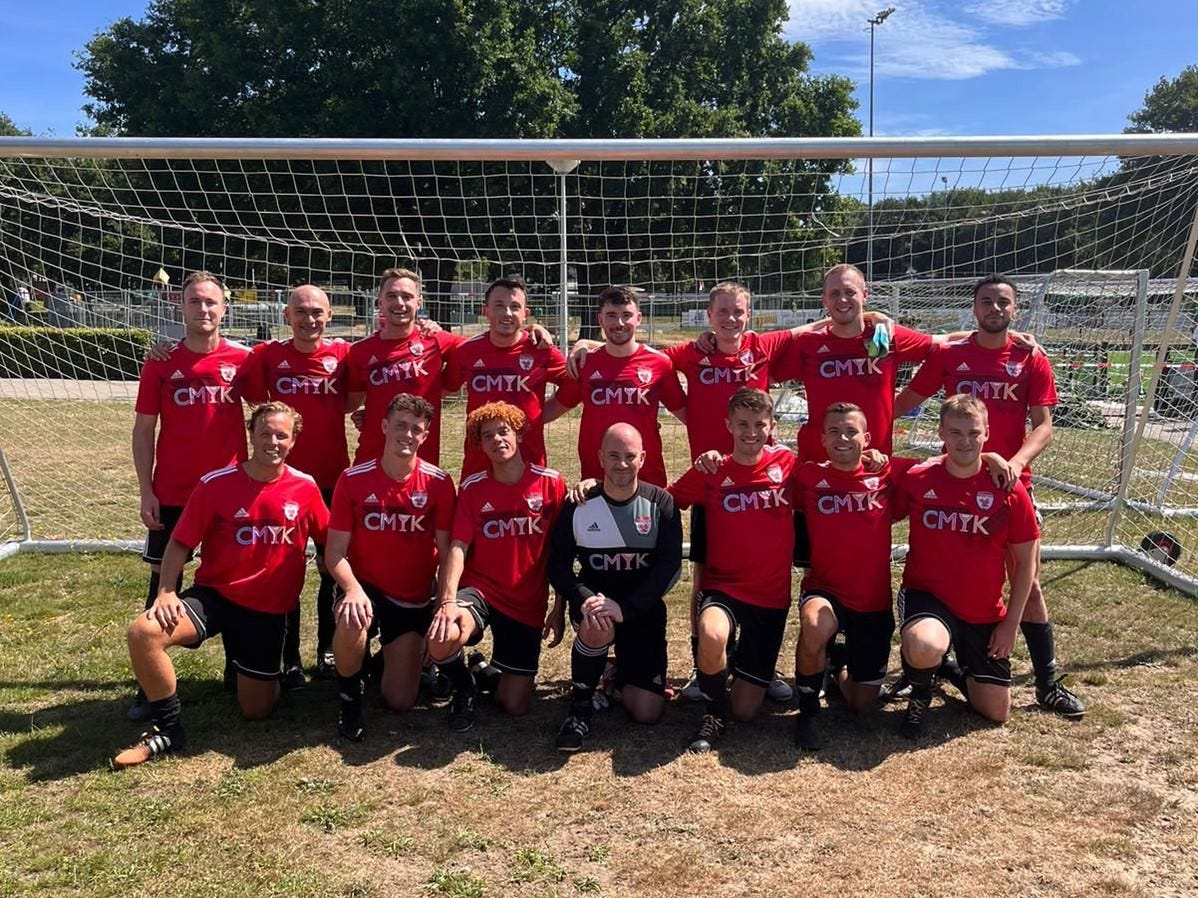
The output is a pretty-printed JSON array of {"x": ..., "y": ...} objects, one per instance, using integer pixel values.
[{"x": 495, "y": 577}]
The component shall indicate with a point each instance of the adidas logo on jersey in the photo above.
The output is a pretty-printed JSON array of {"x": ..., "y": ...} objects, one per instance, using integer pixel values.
[
  {"x": 824, "y": 348},
  {"x": 178, "y": 375},
  {"x": 705, "y": 361},
  {"x": 596, "y": 376},
  {"x": 930, "y": 494},
  {"x": 487, "y": 506},
  {"x": 241, "y": 513},
  {"x": 372, "y": 498},
  {"x": 728, "y": 481},
  {"x": 594, "y": 528},
  {"x": 283, "y": 366},
  {"x": 373, "y": 360},
  {"x": 963, "y": 367},
  {"x": 479, "y": 363},
  {"x": 823, "y": 485}
]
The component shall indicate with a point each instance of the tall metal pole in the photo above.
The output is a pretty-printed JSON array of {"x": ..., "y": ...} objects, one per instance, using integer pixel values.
[
  {"x": 563, "y": 167},
  {"x": 878, "y": 19}
]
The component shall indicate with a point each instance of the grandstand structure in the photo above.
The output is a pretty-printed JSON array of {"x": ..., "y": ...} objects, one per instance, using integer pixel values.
[{"x": 1099, "y": 231}]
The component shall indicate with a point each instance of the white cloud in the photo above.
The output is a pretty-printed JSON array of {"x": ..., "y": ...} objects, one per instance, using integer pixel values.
[
  {"x": 1017, "y": 13},
  {"x": 918, "y": 41}
]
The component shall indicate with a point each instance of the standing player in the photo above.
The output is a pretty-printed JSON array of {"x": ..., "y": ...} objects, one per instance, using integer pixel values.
[
  {"x": 495, "y": 576},
  {"x": 746, "y": 581},
  {"x": 1013, "y": 382},
  {"x": 398, "y": 359},
  {"x": 395, "y": 507},
  {"x": 963, "y": 535},
  {"x": 624, "y": 382},
  {"x": 192, "y": 401},
  {"x": 308, "y": 372},
  {"x": 504, "y": 364},
  {"x": 254, "y": 520},
  {"x": 627, "y": 541}
]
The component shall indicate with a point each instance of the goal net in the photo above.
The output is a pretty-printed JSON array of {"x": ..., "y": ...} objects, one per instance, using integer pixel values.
[{"x": 96, "y": 236}]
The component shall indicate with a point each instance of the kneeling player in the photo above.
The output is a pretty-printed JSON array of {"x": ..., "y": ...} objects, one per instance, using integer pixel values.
[
  {"x": 495, "y": 577},
  {"x": 746, "y": 583},
  {"x": 847, "y": 589},
  {"x": 254, "y": 520},
  {"x": 962, "y": 530},
  {"x": 395, "y": 507},
  {"x": 627, "y": 540}
]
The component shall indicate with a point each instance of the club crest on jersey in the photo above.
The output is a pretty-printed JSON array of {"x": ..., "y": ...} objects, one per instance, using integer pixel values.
[
  {"x": 985, "y": 501},
  {"x": 525, "y": 362},
  {"x": 419, "y": 500},
  {"x": 329, "y": 364},
  {"x": 534, "y": 502},
  {"x": 871, "y": 483},
  {"x": 644, "y": 375},
  {"x": 774, "y": 473},
  {"x": 416, "y": 348},
  {"x": 1014, "y": 369},
  {"x": 643, "y": 525},
  {"x": 228, "y": 372},
  {"x": 291, "y": 510},
  {"x": 746, "y": 357}
]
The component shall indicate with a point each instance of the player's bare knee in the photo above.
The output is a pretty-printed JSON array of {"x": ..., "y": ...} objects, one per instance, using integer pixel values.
[
  {"x": 645, "y": 712},
  {"x": 514, "y": 706},
  {"x": 399, "y": 698},
  {"x": 593, "y": 637}
]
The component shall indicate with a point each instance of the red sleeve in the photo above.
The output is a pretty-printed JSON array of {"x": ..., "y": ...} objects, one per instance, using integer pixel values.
[
  {"x": 1042, "y": 387},
  {"x": 342, "y": 517},
  {"x": 253, "y": 375},
  {"x": 463, "y": 523},
  {"x": 555, "y": 366},
  {"x": 1023, "y": 527},
  {"x": 443, "y": 517},
  {"x": 449, "y": 342},
  {"x": 672, "y": 395},
  {"x": 569, "y": 391},
  {"x": 900, "y": 501},
  {"x": 796, "y": 483},
  {"x": 677, "y": 355},
  {"x": 193, "y": 522},
  {"x": 910, "y": 345},
  {"x": 149, "y": 390},
  {"x": 454, "y": 374},
  {"x": 690, "y": 488},
  {"x": 930, "y": 377},
  {"x": 318, "y": 517},
  {"x": 774, "y": 343},
  {"x": 355, "y": 378}
]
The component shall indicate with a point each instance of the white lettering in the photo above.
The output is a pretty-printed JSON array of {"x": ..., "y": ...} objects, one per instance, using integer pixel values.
[
  {"x": 722, "y": 375},
  {"x": 266, "y": 536},
  {"x": 756, "y": 500},
  {"x": 618, "y": 561},
  {"x": 501, "y": 527},
  {"x": 398, "y": 371},
  {"x": 305, "y": 385},
  {"x": 500, "y": 383},
  {"x": 850, "y": 502},
  {"x": 394, "y": 522},
  {"x": 1002, "y": 392},
  {"x": 956, "y": 521},
  {"x": 620, "y": 396},
  {"x": 185, "y": 396},
  {"x": 849, "y": 368}
]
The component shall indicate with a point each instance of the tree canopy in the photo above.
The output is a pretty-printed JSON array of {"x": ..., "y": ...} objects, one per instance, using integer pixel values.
[{"x": 1171, "y": 105}]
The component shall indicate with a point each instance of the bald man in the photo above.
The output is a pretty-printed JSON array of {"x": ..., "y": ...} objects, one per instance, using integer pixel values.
[
  {"x": 308, "y": 373},
  {"x": 613, "y": 558}
]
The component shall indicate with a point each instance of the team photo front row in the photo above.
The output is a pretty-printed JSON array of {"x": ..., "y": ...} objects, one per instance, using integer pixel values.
[{"x": 430, "y": 569}]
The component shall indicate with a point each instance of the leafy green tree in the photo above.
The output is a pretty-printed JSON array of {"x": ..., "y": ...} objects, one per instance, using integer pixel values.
[{"x": 1171, "y": 105}]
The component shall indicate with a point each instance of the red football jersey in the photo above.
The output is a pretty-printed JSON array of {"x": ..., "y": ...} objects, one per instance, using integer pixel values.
[
  {"x": 960, "y": 530},
  {"x": 507, "y": 527},
  {"x": 255, "y": 535},
  {"x": 712, "y": 378},
  {"x": 750, "y": 525},
  {"x": 848, "y": 521},
  {"x": 389, "y": 520},
  {"x": 314, "y": 385},
  {"x": 384, "y": 368},
  {"x": 197, "y": 398},
  {"x": 1008, "y": 381},
  {"x": 514, "y": 374},
  {"x": 623, "y": 390},
  {"x": 838, "y": 369}
]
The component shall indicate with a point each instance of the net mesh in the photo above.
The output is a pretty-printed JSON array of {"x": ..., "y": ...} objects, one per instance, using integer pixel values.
[{"x": 101, "y": 243}]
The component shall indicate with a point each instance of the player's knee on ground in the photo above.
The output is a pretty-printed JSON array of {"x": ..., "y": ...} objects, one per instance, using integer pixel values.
[
  {"x": 256, "y": 698},
  {"x": 924, "y": 642},
  {"x": 745, "y": 700},
  {"x": 443, "y": 650},
  {"x": 992, "y": 702},
  {"x": 859, "y": 697},
  {"x": 593, "y": 637},
  {"x": 400, "y": 694},
  {"x": 642, "y": 705},
  {"x": 401, "y": 671},
  {"x": 514, "y": 695}
]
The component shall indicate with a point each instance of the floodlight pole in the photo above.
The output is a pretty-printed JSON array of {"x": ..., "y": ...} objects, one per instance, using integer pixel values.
[
  {"x": 563, "y": 167},
  {"x": 877, "y": 20}
]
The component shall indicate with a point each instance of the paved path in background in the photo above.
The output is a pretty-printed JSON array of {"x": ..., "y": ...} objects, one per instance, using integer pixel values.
[{"x": 19, "y": 388}]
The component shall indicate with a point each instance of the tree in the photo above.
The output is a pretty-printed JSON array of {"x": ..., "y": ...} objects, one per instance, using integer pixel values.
[{"x": 1172, "y": 105}]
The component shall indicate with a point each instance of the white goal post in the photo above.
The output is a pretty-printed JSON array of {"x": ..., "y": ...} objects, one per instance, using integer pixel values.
[{"x": 1098, "y": 231}]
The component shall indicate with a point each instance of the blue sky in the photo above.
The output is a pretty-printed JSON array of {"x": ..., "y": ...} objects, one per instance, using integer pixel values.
[{"x": 965, "y": 67}]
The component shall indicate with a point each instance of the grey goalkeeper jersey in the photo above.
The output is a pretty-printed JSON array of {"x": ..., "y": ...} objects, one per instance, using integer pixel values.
[{"x": 630, "y": 551}]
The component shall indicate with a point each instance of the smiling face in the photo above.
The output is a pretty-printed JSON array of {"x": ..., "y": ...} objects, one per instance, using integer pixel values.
[
  {"x": 203, "y": 308},
  {"x": 272, "y": 438},
  {"x": 622, "y": 455},
  {"x": 964, "y": 435},
  {"x": 750, "y": 431},
  {"x": 399, "y": 300},
  {"x": 499, "y": 440},
  {"x": 844, "y": 296},
  {"x": 619, "y": 322},
  {"x": 729, "y": 316},
  {"x": 308, "y": 312},
  {"x": 404, "y": 432},
  {"x": 994, "y": 307},
  {"x": 845, "y": 438},
  {"x": 506, "y": 311}
]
